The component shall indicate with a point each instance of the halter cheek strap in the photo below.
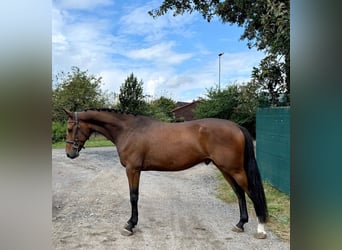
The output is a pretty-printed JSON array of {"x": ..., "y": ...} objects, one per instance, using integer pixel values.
[{"x": 75, "y": 141}]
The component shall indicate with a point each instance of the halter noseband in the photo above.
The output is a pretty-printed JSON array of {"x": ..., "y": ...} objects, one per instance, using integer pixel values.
[{"x": 75, "y": 141}]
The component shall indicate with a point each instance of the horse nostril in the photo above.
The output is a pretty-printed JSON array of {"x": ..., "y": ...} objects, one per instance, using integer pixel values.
[{"x": 72, "y": 154}]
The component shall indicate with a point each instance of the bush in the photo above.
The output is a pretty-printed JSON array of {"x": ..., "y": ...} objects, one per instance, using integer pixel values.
[
  {"x": 237, "y": 103},
  {"x": 58, "y": 131}
]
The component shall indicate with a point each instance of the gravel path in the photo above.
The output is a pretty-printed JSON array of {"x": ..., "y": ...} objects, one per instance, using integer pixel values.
[{"x": 177, "y": 210}]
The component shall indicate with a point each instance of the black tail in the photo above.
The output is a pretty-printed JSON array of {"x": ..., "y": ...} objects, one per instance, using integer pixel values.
[{"x": 255, "y": 187}]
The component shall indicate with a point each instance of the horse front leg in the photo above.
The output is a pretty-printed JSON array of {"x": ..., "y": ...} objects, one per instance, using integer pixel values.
[{"x": 133, "y": 176}]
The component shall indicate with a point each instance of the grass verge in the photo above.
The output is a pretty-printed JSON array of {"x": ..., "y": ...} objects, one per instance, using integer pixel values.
[
  {"x": 94, "y": 141},
  {"x": 278, "y": 206}
]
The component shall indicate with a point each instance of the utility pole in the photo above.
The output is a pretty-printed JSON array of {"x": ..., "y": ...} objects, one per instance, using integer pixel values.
[{"x": 219, "y": 55}]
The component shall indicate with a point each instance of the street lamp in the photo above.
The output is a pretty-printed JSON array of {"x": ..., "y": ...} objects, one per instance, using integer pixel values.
[{"x": 219, "y": 55}]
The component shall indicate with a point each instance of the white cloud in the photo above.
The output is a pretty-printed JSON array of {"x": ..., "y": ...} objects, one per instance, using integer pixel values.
[
  {"x": 59, "y": 41},
  {"x": 161, "y": 53},
  {"x": 113, "y": 46},
  {"x": 188, "y": 84},
  {"x": 179, "y": 80},
  {"x": 82, "y": 42},
  {"x": 238, "y": 66},
  {"x": 113, "y": 78},
  {"x": 137, "y": 21},
  {"x": 82, "y": 4}
]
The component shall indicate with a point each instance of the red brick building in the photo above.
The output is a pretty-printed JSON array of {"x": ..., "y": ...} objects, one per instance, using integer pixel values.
[{"x": 184, "y": 111}]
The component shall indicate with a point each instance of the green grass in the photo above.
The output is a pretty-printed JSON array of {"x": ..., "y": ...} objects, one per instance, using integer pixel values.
[
  {"x": 94, "y": 141},
  {"x": 278, "y": 206}
]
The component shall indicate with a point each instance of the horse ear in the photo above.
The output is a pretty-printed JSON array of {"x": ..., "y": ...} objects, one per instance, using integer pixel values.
[{"x": 70, "y": 114}]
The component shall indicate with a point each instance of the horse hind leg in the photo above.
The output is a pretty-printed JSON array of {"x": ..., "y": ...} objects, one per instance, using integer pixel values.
[
  {"x": 241, "y": 181},
  {"x": 255, "y": 189},
  {"x": 261, "y": 233},
  {"x": 240, "y": 193}
]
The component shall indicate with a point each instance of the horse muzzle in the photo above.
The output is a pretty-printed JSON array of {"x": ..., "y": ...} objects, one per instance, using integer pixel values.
[{"x": 73, "y": 153}]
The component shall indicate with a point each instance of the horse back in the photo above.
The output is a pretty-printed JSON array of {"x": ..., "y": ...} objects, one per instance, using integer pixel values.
[{"x": 177, "y": 146}]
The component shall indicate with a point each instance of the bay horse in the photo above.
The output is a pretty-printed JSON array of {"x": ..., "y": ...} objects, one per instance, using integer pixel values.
[{"x": 144, "y": 143}]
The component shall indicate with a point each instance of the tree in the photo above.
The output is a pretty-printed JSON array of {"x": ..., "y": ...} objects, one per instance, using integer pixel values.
[
  {"x": 245, "y": 111},
  {"x": 131, "y": 97},
  {"x": 270, "y": 79},
  {"x": 218, "y": 104},
  {"x": 161, "y": 109},
  {"x": 236, "y": 102},
  {"x": 266, "y": 26},
  {"x": 76, "y": 90}
]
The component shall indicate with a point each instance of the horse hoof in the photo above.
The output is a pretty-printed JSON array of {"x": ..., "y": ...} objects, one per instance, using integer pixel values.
[
  {"x": 237, "y": 229},
  {"x": 126, "y": 232},
  {"x": 260, "y": 235}
]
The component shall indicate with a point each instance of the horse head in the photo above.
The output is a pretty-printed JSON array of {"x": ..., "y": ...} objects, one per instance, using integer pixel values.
[{"x": 77, "y": 134}]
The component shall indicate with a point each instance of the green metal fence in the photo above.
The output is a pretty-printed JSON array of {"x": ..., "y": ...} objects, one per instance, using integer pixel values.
[{"x": 273, "y": 146}]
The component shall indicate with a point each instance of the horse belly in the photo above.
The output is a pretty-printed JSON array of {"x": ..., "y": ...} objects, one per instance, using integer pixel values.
[{"x": 173, "y": 159}]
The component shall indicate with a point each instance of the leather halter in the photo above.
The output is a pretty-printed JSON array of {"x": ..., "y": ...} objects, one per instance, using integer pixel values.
[{"x": 75, "y": 141}]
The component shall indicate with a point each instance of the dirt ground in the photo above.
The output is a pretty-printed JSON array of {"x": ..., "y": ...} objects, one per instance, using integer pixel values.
[{"x": 177, "y": 210}]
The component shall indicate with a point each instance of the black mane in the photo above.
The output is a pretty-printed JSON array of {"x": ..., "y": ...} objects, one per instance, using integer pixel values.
[{"x": 110, "y": 110}]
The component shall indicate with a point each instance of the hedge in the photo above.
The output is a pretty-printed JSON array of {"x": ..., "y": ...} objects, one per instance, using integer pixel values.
[{"x": 58, "y": 131}]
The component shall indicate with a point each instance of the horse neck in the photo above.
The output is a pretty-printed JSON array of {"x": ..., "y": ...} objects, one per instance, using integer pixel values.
[{"x": 109, "y": 124}]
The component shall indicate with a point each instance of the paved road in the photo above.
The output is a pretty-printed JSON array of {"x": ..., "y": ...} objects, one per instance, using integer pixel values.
[{"x": 177, "y": 210}]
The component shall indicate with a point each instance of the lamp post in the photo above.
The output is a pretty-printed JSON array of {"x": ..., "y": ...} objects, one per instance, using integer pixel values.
[{"x": 219, "y": 55}]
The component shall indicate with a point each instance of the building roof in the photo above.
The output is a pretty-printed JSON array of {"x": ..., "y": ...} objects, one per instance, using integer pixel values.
[{"x": 185, "y": 105}]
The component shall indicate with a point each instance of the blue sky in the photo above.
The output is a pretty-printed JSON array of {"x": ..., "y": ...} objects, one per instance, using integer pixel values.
[{"x": 174, "y": 56}]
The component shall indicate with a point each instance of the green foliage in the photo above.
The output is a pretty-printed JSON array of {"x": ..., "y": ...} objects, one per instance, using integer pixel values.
[
  {"x": 161, "y": 109},
  {"x": 58, "y": 131},
  {"x": 270, "y": 78},
  {"x": 236, "y": 102},
  {"x": 218, "y": 104},
  {"x": 266, "y": 26},
  {"x": 131, "y": 96},
  {"x": 245, "y": 111},
  {"x": 76, "y": 90}
]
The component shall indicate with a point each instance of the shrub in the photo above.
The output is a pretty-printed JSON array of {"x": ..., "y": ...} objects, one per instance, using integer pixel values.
[{"x": 58, "y": 131}]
